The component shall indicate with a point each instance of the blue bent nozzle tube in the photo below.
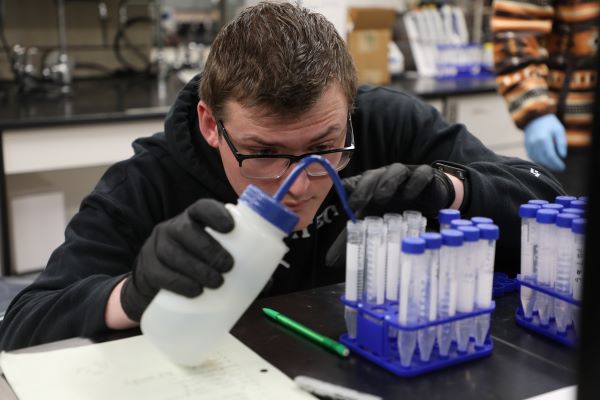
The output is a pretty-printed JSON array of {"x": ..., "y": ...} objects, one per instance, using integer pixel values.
[{"x": 285, "y": 186}]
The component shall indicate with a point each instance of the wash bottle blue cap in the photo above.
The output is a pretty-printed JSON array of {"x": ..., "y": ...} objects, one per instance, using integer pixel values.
[{"x": 269, "y": 209}]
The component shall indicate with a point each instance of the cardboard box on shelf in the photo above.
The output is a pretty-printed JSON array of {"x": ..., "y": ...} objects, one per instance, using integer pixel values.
[{"x": 368, "y": 42}]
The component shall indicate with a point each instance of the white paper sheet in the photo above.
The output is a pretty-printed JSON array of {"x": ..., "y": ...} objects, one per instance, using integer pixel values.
[
  {"x": 133, "y": 369},
  {"x": 566, "y": 393}
]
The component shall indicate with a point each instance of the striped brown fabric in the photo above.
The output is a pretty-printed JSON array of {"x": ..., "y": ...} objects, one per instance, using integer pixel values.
[{"x": 545, "y": 60}]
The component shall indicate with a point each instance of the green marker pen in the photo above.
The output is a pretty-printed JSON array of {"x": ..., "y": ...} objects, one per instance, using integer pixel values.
[{"x": 324, "y": 341}]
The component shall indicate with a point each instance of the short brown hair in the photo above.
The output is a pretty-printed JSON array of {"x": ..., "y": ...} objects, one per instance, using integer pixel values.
[{"x": 278, "y": 56}]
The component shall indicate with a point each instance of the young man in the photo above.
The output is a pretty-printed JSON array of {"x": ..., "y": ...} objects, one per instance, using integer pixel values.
[{"x": 279, "y": 84}]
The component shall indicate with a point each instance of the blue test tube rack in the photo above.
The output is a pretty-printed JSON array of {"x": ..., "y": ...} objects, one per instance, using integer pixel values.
[
  {"x": 374, "y": 342},
  {"x": 503, "y": 285},
  {"x": 568, "y": 338}
]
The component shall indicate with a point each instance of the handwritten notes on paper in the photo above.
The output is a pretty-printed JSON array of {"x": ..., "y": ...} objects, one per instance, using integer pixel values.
[{"x": 133, "y": 369}]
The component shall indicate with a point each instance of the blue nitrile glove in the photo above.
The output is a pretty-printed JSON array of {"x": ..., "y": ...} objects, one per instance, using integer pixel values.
[{"x": 544, "y": 137}]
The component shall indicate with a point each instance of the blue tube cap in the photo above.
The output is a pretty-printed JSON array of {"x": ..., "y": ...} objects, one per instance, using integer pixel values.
[
  {"x": 446, "y": 215},
  {"x": 564, "y": 220},
  {"x": 528, "y": 210},
  {"x": 455, "y": 223},
  {"x": 553, "y": 206},
  {"x": 489, "y": 231},
  {"x": 576, "y": 211},
  {"x": 471, "y": 233},
  {"x": 584, "y": 198},
  {"x": 269, "y": 209},
  {"x": 564, "y": 200},
  {"x": 433, "y": 240},
  {"x": 546, "y": 216},
  {"x": 580, "y": 204},
  {"x": 578, "y": 226},
  {"x": 539, "y": 202},
  {"x": 482, "y": 220},
  {"x": 413, "y": 245},
  {"x": 452, "y": 237}
]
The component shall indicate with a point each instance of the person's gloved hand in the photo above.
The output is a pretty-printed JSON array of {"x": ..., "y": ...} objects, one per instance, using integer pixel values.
[
  {"x": 180, "y": 256},
  {"x": 546, "y": 142},
  {"x": 398, "y": 187},
  {"x": 394, "y": 188}
]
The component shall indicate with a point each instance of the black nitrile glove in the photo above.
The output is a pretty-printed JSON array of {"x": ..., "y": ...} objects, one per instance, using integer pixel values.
[
  {"x": 398, "y": 187},
  {"x": 180, "y": 256},
  {"x": 394, "y": 188}
]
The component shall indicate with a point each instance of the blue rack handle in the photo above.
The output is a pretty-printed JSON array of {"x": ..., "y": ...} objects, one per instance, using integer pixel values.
[
  {"x": 548, "y": 291},
  {"x": 386, "y": 315},
  {"x": 373, "y": 340},
  {"x": 567, "y": 338}
]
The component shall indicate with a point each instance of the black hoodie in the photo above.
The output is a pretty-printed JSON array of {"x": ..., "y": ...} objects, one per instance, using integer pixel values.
[{"x": 171, "y": 170}]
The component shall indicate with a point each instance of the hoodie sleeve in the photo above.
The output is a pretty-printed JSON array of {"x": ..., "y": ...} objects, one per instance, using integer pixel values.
[
  {"x": 412, "y": 132},
  {"x": 69, "y": 297}
]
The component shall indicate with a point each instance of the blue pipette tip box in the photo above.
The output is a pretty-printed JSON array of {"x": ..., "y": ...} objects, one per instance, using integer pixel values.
[
  {"x": 567, "y": 338},
  {"x": 375, "y": 342}
]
